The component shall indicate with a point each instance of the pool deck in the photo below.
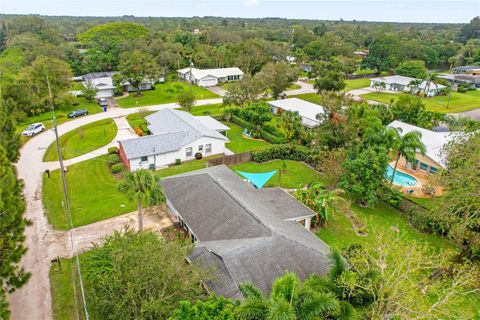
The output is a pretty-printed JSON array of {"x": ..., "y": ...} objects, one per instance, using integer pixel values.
[{"x": 422, "y": 179}]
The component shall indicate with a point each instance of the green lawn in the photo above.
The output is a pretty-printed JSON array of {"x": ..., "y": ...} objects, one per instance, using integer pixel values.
[
  {"x": 63, "y": 302},
  {"x": 163, "y": 93},
  {"x": 312, "y": 97},
  {"x": 93, "y": 194},
  {"x": 364, "y": 71},
  {"x": 77, "y": 86},
  {"x": 357, "y": 83},
  {"x": 293, "y": 86},
  {"x": 239, "y": 144},
  {"x": 381, "y": 218},
  {"x": 137, "y": 118},
  {"x": 297, "y": 174},
  {"x": 61, "y": 114},
  {"x": 186, "y": 166},
  {"x": 216, "y": 109},
  {"x": 83, "y": 140},
  {"x": 458, "y": 102}
]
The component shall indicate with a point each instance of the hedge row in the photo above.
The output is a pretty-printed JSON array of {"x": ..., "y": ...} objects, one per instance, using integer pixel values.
[
  {"x": 264, "y": 134},
  {"x": 285, "y": 152}
]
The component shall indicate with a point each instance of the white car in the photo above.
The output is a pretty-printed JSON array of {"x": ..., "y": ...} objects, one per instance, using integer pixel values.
[{"x": 33, "y": 129}]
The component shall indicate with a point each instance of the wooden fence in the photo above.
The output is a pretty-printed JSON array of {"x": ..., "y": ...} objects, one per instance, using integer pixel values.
[{"x": 230, "y": 160}]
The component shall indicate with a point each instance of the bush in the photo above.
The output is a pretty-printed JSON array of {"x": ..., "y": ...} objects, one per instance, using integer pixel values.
[
  {"x": 117, "y": 167},
  {"x": 178, "y": 162},
  {"x": 272, "y": 138},
  {"x": 113, "y": 150},
  {"x": 113, "y": 159},
  {"x": 242, "y": 123},
  {"x": 198, "y": 155},
  {"x": 284, "y": 152},
  {"x": 392, "y": 197}
]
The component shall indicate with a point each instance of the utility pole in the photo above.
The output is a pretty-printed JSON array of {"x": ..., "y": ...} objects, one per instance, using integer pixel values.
[{"x": 67, "y": 200}]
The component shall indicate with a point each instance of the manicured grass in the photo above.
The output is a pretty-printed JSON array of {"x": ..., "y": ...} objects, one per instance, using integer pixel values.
[
  {"x": 186, "y": 166},
  {"x": 364, "y": 71},
  {"x": 297, "y": 174},
  {"x": 61, "y": 283},
  {"x": 208, "y": 110},
  {"x": 239, "y": 144},
  {"x": 83, "y": 140},
  {"x": 60, "y": 113},
  {"x": 357, "y": 83},
  {"x": 293, "y": 86},
  {"x": 93, "y": 191},
  {"x": 311, "y": 97},
  {"x": 379, "y": 219},
  {"x": 77, "y": 86},
  {"x": 424, "y": 202},
  {"x": 458, "y": 102},
  {"x": 163, "y": 93},
  {"x": 136, "y": 119}
]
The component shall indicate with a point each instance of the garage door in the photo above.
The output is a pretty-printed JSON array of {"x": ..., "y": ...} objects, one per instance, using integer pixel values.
[
  {"x": 208, "y": 82},
  {"x": 104, "y": 93}
]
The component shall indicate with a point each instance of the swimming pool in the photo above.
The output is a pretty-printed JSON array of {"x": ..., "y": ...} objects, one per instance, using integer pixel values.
[{"x": 400, "y": 178}]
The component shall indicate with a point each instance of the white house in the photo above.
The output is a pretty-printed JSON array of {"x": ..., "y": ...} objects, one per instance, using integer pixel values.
[
  {"x": 209, "y": 77},
  {"x": 307, "y": 110},
  {"x": 404, "y": 84},
  {"x": 102, "y": 82},
  {"x": 175, "y": 135}
]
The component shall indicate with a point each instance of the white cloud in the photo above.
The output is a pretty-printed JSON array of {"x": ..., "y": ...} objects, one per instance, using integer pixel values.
[{"x": 251, "y": 3}]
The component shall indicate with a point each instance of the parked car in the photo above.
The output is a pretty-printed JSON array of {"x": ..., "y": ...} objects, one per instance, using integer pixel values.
[
  {"x": 102, "y": 102},
  {"x": 77, "y": 113},
  {"x": 33, "y": 129}
]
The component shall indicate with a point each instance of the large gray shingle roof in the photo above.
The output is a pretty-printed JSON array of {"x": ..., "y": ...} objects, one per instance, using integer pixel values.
[
  {"x": 172, "y": 130},
  {"x": 274, "y": 245}
]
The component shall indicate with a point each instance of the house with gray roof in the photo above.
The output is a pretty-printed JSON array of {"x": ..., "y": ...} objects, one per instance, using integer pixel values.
[
  {"x": 243, "y": 234},
  {"x": 175, "y": 135},
  {"x": 406, "y": 84}
]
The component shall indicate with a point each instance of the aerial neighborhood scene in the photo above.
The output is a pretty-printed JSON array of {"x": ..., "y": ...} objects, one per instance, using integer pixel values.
[{"x": 243, "y": 159}]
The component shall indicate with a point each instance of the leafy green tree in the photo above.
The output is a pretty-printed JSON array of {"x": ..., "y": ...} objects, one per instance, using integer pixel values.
[
  {"x": 213, "y": 308},
  {"x": 384, "y": 53},
  {"x": 412, "y": 110},
  {"x": 406, "y": 146},
  {"x": 136, "y": 67},
  {"x": 9, "y": 138},
  {"x": 364, "y": 173},
  {"x": 108, "y": 35},
  {"x": 143, "y": 187},
  {"x": 186, "y": 99},
  {"x": 470, "y": 30},
  {"x": 412, "y": 68},
  {"x": 330, "y": 76},
  {"x": 291, "y": 123},
  {"x": 278, "y": 77},
  {"x": 244, "y": 92},
  {"x": 89, "y": 92},
  {"x": 138, "y": 275}
]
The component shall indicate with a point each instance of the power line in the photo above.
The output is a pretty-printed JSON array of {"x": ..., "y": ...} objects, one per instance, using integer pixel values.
[{"x": 67, "y": 204}]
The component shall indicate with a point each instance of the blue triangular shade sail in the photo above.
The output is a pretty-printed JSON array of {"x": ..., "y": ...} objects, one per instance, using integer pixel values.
[{"x": 258, "y": 179}]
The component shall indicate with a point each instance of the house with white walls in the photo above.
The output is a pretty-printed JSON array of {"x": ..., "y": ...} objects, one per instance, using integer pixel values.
[{"x": 209, "y": 77}]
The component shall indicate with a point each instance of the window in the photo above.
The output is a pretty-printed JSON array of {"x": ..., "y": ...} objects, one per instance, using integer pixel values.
[
  {"x": 143, "y": 159},
  {"x": 433, "y": 170},
  {"x": 208, "y": 148},
  {"x": 188, "y": 152},
  {"x": 200, "y": 148},
  {"x": 423, "y": 167}
]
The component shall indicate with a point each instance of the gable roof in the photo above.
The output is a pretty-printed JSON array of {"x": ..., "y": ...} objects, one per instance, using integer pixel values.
[
  {"x": 405, "y": 81},
  {"x": 259, "y": 246},
  {"x": 172, "y": 129},
  {"x": 433, "y": 141},
  {"x": 304, "y": 108},
  {"x": 217, "y": 73}
]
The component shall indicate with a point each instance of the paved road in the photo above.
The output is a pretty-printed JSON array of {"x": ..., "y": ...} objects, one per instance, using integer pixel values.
[
  {"x": 305, "y": 88},
  {"x": 33, "y": 301},
  {"x": 473, "y": 114}
]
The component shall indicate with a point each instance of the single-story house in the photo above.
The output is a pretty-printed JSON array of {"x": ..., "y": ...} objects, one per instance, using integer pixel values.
[
  {"x": 467, "y": 79},
  {"x": 103, "y": 83},
  {"x": 242, "y": 234},
  {"x": 403, "y": 84},
  {"x": 434, "y": 158},
  {"x": 475, "y": 70},
  {"x": 307, "y": 110},
  {"x": 209, "y": 77},
  {"x": 175, "y": 135}
]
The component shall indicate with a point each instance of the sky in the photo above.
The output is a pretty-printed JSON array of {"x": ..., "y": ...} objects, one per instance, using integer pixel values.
[{"x": 461, "y": 11}]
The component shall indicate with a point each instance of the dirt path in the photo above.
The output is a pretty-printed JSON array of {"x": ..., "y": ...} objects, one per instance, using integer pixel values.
[{"x": 33, "y": 300}]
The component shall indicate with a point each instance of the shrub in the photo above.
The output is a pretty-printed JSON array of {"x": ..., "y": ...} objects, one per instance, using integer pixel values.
[
  {"x": 113, "y": 150},
  {"x": 392, "y": 197},
  {"x": 117, "y": 167},
  {"x": 138, "y": 131},
  {"x": 178, "y": 162},
  {"x": 198, "y": 155},
  {"x": 242, "y": 123},
  {"x": 113, "y": 159},
  {"x": 272, "y": 138},
  {"x": 285, "y": 152}
]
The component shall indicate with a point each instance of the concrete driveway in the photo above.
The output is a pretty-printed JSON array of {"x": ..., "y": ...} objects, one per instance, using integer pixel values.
[
  {"x": 33, "y": 300},
  {"x": 305, "y": 88}
]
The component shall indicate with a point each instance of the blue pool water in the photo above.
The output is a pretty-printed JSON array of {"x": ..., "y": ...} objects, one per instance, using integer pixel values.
[{"x": 400, "y": 178}]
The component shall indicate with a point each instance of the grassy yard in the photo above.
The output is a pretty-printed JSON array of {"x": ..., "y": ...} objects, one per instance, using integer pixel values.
[
  {"x": 311, "y": 97},
  {"x": 297, "y": 174},
  {"x": 93, "y": 194},
  {"x": 77, "y": 86},
  {"x": 63, "y": 302},
  {"x": 186, "y": 166},
  {"x": 83, "y": 140},
  {"x": 381, "y": 218},
  {"x": 239, "y": 144},
  {"x": 357, "y": 83},
  {"x": 137, "y": 118},
  {"x": 216, "y": 109},
  {"x": 163, "y": 93},
  {"x": 61, "y": 114},
  {"x": 458, "y": 102}
]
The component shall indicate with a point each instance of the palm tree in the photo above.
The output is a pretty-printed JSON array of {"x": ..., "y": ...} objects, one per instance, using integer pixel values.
[
  {"x": 315, "y": 298},
  {"x": 430, "y": 78},
  {"x": 406, "y": 146},
  {"x": 291, "y": 123},
  {"x": 415, "y": 84},
  {"x": 142, "y": 186}
]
